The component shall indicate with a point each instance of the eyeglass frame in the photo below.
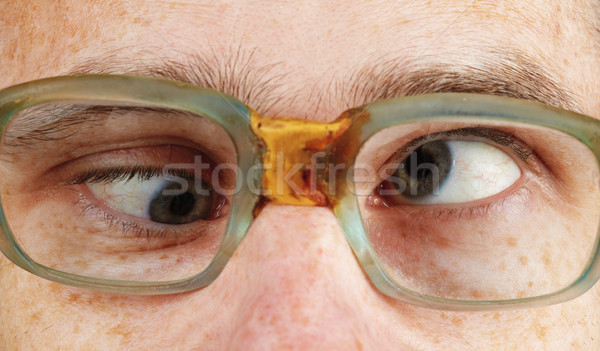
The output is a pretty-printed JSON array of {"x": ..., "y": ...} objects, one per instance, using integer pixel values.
[{"x": 235, "y": 118}]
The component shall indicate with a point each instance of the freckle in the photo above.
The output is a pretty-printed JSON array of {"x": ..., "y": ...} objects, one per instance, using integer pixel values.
[
  {"x": 475, "y": 294},
  {"x": 502, "y": 266},
  {"x": 273, "y": 321},
  {"x": 540, "y": 331},
  {"x": 365, "y": 298},
  {"x": 122, "y": 257},
  {"x": 457, "y": 321},
  {"x": 359, "y": 345},
  {"x": 35, "y": 316},
  {"x": 54, "y": 288},
  {"x": 120, "y": 329},
  {"x": 164, "y": 257},
  {"x": 546, "y": 259},
  {"x": 74, "y": 298},
  {"x": 523, "y": 260},
  {"x": 557, "y": 29},
  {"x": 511, "y": 241},
  {"x": 530, "y": 284},
  {"x": 96, "y": 302}
]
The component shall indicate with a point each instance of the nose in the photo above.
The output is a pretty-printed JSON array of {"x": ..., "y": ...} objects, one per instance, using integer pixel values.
[{"x": 297, "y": 284}]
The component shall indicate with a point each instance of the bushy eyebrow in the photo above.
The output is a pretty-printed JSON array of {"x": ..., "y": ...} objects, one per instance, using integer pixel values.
[
  {"x": 496, "y": 71},
  {"x": 504, "y": 72},
  {"x": 238, "y": 74}
]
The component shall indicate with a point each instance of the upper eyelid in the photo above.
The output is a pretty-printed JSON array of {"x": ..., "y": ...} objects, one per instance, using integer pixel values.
[
  {"x": 45, "y": 122},
  {"x": 521, "y": 149}
]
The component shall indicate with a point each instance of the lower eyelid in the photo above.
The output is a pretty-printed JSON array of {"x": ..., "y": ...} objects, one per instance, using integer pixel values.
[
  {"x": 123, "y": 223},
  {"x": 120, "y": 225},
  {"x": 517, "y": 195}
]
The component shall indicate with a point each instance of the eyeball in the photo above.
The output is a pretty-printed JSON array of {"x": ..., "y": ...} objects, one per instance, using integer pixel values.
[{"x": 451, "y": 171}]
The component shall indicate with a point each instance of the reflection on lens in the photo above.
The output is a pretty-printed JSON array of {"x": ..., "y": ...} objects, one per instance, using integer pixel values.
[
  {"x": 511, "y": 216},
  {"x": 106, "y": 198}
]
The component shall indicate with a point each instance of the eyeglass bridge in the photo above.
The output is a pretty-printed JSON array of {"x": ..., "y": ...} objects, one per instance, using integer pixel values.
[{"x": 292, "y": 147}]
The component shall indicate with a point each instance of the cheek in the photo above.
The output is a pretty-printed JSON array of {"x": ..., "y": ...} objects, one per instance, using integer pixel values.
[
  {"x": 33, "y": 311},
  {"x": 522, "y": 245},
  {"x": 574, "y": 325},
  {"x": 569, "y": 326}
]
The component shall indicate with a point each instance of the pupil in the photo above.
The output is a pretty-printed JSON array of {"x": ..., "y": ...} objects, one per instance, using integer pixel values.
[
  {"x": 181, "y": 208},
  {"x": 419, "y": 159},
  {"x": 425, "y": 169},
  {"x": 182, "y": 204}
]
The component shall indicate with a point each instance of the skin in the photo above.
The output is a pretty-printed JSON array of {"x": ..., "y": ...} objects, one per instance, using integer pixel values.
[{"x": 273, "y": 295}]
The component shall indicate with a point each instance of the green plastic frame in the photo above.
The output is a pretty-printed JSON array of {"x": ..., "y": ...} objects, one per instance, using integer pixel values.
[{"x": 234, "y": 117}]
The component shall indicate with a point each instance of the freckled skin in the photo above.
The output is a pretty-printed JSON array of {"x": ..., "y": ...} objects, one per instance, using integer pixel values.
[{"x": 293, "y": 283}]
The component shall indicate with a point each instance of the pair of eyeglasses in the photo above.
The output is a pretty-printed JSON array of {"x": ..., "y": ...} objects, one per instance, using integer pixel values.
[{"x": 141, "y": 185}]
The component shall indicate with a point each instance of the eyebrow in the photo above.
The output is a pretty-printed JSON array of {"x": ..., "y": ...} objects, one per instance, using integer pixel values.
[
  {"x": 505, "y": 72},
  {"x": 501, "y": 71},
  {"x": 238, "y": 74}
]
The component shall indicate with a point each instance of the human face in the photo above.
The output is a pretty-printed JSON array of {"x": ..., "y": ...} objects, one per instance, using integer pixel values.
[{"x": 297, "y": 59}]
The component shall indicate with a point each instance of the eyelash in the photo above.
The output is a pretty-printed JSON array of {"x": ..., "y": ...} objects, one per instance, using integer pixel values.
[
  {"x": 125, "y": 173},
  {"x": 522, "y": 150},
  {"x": 127, "y": 228},
  {"x": 498, "y": 137}
]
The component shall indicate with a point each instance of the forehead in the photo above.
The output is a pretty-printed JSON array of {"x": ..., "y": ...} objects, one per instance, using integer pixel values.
[{"x": 306, "y": 50}]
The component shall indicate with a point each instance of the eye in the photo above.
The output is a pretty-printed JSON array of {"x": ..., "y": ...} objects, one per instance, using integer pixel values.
[
  {"x": 478, "y": 210},
  {"x": 161, "y": 200},
  {"x": 449, "y": 171},
  {"x": 99, "y": 194}
]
